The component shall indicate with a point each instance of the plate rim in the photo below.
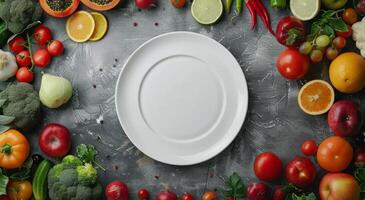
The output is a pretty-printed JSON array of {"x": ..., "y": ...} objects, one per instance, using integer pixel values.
[{"x": 236, "y": 127}]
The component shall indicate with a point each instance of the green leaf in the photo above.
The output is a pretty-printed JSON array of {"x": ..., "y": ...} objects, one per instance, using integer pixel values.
[
  {"x": 87, "y": 154},
  {"x": 234, "y": 187},
  {"x": 23, "y": 173},
  {"x": 328, "y": 30},
  {"x": 327, "y": 14},
  {"x": 4, "y": 120},
  {"x": 4, "y": 180},
  {"x": 310, "y": 196},
  {"x": 362, "y": 187},
  {"x": 292, "y": 189},
  {"x": 2, "y": 101},
  {"x": 338, "y": 25},
  {"x": 360, "y": 174},
  {"x": 3, "y": 128}
]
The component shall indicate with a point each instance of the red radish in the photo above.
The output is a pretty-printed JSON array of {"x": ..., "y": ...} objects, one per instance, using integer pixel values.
[
  {"x": 116, "y": 190},
  {"x": 55, "y": 140},
  {"x": 145, "y": 4},
  {"x": 166, "y": 195}
]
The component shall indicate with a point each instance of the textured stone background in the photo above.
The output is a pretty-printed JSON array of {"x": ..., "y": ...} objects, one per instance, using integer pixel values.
[{"x": 274, "y": 121}]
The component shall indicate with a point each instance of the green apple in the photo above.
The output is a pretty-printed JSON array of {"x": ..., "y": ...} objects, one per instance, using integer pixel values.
[
  {"x": 334, "y": 4},
  {"x": 339, "y": 186}
]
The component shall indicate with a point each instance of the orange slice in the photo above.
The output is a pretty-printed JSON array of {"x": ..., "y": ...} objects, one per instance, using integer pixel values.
[
  {"x": 316, "y": 97},
  {"x": 101, "y": 26},
  {"x": 80, "y": 26}
]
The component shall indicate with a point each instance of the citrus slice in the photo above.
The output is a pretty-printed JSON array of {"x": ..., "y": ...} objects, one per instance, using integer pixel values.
[
  {"x": 101, "y": 26},
  {"x": 316, "y": 97},
  {"x": 207, "y": 11},
  {"x": 80, "y": 26},
  {"x": 305, "y": 9}
]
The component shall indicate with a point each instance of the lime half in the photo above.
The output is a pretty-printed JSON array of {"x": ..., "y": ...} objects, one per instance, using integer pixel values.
[
  {"x": 207, "y": 11},
  {"x": 305, "y": 9}
]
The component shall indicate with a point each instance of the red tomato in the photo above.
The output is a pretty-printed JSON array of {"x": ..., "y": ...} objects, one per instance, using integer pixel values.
[
  {"x": 178, "y": 3},
  {"x": 292, "y": 64},
  {"x": 23, "y": 58},
  {"x": 142, "y": 194},
  {"x": 41, "y": 58},
  {"x": 345, "y": 34},
  {"x": 279, "y": 193},
  {"x": 309, "y": 148},
  {"x": 187, "y": 196},
  {"x": 210, "y": 195},
  {"x": 257, "y": 191},
  {"x": 24, "y": 75},
  {"x": 116, "y": 190},
  {"x": 268, "y": 166},
  {"x": 42, "y": 35},
  {"x": 55, "y": 140},
  {"x": 166, "y": 195},
  {"x": 55, "y": 48},
  {"x": 145, "y": 4},
  {"x": 300, "y": 172},
  {"x": 17, "y": 44}
]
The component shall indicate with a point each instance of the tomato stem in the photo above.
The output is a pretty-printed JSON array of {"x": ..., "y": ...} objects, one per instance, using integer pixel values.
[
  {"x": 6, "y": 149},
  {"x": 30, "y": 52}
]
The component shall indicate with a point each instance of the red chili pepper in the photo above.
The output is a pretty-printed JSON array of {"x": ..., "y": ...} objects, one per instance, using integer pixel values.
[
  {"x": 253, "y": 15},
  {"x": 265, "y": 14},
  {"x": 256, "y": 7}
]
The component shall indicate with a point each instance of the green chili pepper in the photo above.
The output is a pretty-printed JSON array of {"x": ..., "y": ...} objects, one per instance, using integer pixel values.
[
  {"x": 280, "y": 4},
  {"x": 239, "y": 6},
  {"x": 228, "y": 6}
]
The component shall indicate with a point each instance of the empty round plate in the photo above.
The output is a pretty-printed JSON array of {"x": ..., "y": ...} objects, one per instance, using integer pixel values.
[{"x": 181, "y": 98}]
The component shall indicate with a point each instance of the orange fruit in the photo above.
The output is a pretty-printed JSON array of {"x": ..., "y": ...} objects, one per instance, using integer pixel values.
[
  {"x": 334, "y": 154},
  {"x": 316, "y": 97},
  {"x": 101, "y": 26},
  {"x": 347, "y": 73},
  {"x": 80, "y": 26}
]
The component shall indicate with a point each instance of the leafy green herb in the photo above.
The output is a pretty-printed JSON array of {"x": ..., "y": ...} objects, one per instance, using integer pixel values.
[
  {"x": 235, "y": 187},
  {"x": 292, "y": 189},
  {"x": 280, "y": 4},
  {"x": 4, "y": 180},
  {"x": 310, "y": 196},
  {"x": 87, "y": 154},
  {"x": 327, "y": 24},
  {"x": 22, "y": 173}
]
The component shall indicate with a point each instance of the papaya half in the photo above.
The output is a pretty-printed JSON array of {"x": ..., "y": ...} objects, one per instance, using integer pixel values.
[
  {"x": 59, "y": 8},
  {"x": 100, "y": 5}
]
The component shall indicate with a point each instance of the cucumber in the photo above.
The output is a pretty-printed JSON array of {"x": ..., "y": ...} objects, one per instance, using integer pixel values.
[{"x": 40, "y": 180}]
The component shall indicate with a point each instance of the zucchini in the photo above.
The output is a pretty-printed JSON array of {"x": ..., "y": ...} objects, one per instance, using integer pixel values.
[{"x": 40, "y": 180}]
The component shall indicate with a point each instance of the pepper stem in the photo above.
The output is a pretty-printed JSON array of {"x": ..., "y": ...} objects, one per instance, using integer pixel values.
[{"x": 6, "y": 149}]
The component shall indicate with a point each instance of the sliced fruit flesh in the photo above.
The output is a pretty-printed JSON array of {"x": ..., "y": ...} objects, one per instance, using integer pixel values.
[
  {"x": 316, "y": 97},
  {"x": 100, "y": 5},
  {"x": 59, "y": 8},
  {"x": 207, "y": 11},
  {"x": 304, "y": 9},
  {"x": 101, "y": 26},
  {"x": 80, "y": 26},
  {"x": 59, "y": 5}
]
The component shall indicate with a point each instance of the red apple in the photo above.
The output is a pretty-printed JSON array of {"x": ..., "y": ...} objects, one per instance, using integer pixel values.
[
  {"x": 55, "y": 140},
  {"x": 300, "y": 171},
  {"x": 339, "y": 186},
  {"x": 359, "y": 158},
  {"x": 257, "y": 191},
  {"x": 344, "y": 118}
]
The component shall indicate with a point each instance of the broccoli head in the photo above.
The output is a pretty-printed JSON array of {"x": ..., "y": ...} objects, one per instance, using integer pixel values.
[
  {"x": 70, "y": 180},
  {"x": 22, "y": 102},
  {"x": 19, "y": 13}
]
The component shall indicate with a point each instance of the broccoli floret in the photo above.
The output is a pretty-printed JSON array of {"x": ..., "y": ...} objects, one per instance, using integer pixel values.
[
  {"x": 21, "y": 102},
  {"x": 71, "y": 161},
  {"x": 86, "y": 174},
  {"x": 19, "y": 13},
  {"x": 73, "y": 182}
]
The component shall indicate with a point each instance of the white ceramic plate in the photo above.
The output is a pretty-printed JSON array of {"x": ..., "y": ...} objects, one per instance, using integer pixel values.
[{"x": 181, "y": 98}]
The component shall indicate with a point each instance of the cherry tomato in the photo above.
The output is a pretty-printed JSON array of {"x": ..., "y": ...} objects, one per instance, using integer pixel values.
[
  {"x": 257, "y": 191},
  {"x": 309, "y": 148},
  {"x": 17, "y": 44},
  {"x": 210, "y": 195},
  {"x": 279, "y": 193},
  {"x": 55, "y": 48},
  {"x": 166, "y": 195},
  {"x": 187, "y": 196},
  {"x": 142, "y": 194},
  {"x": 24, "y": 75},
  {"x": 334, "y": 154},
  {"x": 350, "y": 16},
  {"x": 292, "y": 64},
  {"x": 339, "y": 42},
  {"x": 345, "y": 34},
  {"x": 268, "y": 166},
  {"x": 41, "y": 58},
  {"x": 145, "y": 4},
  {"x": 55, "y": 140},
  {"x": 20, "y": 190},
  {"x": 23, "y": 58},
  {"x": 359, "y": 158},
  {"x": 178, "y": 3},
  {"x": 42, "y": 35},
  {"x": 116, "y": 190}
]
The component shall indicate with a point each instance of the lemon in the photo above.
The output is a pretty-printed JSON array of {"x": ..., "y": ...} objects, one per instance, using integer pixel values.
[
  {"x": 207, "y": 11},
  {"x": 101, "y": 26},
  {"x": 305, "y": 9},
  {"x": 80, "y": 26}
]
